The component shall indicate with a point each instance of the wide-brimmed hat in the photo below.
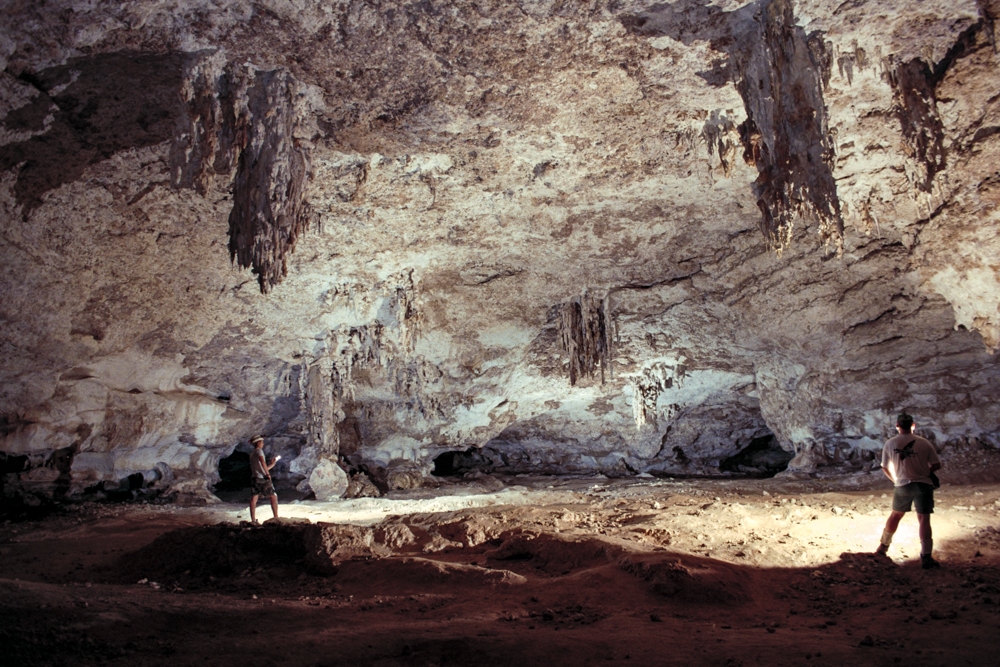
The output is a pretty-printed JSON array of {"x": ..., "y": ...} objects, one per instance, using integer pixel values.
[{"x": 256, "y": 439}]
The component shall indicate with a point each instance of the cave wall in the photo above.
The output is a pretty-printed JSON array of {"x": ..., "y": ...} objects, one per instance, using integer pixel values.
[{"x": 602, "y": 236}]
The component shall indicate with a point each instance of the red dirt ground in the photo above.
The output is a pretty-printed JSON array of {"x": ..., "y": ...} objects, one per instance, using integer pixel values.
[{"x": 548, "y": 572}]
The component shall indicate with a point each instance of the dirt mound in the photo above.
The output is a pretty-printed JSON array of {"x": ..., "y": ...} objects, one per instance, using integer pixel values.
[
  {"x": 384, "y": 554},
  {"x": 548, "y": 555},
  {"x": 220, "y": 550},
  {"x": 689, "y": 580}
]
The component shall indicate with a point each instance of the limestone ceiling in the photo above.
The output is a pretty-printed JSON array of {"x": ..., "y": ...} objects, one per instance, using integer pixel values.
[{"x": 753, "y": 218}]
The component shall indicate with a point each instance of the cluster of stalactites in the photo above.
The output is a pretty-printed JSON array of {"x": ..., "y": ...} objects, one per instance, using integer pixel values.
[
  {"x": 585, "y": 337},
  {"x": 648, "y": 385},
  {"x": 780, "y": 74},
  {"x": 270, "y": 210},
  {"x": 256, "y": 121}
]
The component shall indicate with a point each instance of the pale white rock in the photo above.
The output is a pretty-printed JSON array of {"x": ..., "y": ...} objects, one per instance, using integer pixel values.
[{"x": 328, "y": 481}]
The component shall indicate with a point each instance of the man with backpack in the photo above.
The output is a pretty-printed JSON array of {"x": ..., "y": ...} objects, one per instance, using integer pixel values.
[{"x": 910, "y": 462}]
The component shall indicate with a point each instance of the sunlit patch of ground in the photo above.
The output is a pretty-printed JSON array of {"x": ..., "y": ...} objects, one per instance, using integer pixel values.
[{"x": 760, "y": 522}]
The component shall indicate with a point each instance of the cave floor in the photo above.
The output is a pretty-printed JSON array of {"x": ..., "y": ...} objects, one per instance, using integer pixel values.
[{"x": 641, "y": 572}]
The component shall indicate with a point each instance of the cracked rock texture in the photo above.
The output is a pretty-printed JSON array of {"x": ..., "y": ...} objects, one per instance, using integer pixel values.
[{"x": 536, "y": 236}]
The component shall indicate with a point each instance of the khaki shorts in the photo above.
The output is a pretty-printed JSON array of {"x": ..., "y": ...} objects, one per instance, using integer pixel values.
[
  {"x": 917, "y": 494},
  {"x": 261, "y": 487}
]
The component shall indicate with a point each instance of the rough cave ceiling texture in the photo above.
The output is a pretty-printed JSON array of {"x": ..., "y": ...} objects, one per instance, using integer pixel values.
[{"x": 582, "y": 235}]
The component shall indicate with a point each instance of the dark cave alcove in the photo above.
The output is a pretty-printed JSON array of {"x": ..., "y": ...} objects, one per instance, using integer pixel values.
[
  {"x": 458, "y": 463},
  {"x": 763, "y": 457},
  {"x": 234, "y": 477}
]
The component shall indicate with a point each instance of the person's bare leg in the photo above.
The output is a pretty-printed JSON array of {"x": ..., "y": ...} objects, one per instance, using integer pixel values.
[
  {"x": 253, "y": 509},
  {"x": 891, "y": 524},
  {"x": 926, "y": 542},
  {"x": 274, "y": 506},
  {"x": 925, "y": 527}
]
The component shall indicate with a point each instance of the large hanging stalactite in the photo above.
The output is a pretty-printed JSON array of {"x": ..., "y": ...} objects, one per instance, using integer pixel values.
[
  {"x": 780, "y": 72},
  {"x": 270, "y": 210},
  {"x": 251, "y": 119},
  {"x": 584, "y": 335},
  {"x": 914, "y": 85}
]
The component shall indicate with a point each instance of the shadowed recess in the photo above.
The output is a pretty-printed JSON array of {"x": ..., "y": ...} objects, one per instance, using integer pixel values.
[{"x": 90, "y": 109}]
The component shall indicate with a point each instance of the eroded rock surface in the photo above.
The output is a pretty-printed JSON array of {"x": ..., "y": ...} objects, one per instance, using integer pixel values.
[{"x": 618, "y": 237}]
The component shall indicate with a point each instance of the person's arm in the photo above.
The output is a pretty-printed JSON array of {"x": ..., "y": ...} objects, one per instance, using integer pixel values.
[
  {"x": 933, "y": 462},
  {"x": 886, "y": 462},
  {"x": 274, "y": 462}
]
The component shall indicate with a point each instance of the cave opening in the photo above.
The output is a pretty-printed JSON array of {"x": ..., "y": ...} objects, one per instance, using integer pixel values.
[
  {"x": 763, "y": 457},
  {"x": 234, "y": 477},
  {"x": 11, "y": 464},
  {"x": 459, "y": 463},
  {"x": 126, "y": 489}
]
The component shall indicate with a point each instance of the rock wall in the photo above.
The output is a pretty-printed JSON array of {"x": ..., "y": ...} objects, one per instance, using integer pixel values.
[{"x": 619, "y": 237}]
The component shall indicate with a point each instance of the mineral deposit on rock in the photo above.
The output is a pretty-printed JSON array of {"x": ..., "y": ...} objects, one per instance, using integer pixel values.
[{"x": 524, "y": 236}]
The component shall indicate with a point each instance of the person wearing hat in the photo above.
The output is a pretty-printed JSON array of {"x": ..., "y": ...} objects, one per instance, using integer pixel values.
[
  {"x": 260, "y": 480},
  {"x": 910, "y": 462}
]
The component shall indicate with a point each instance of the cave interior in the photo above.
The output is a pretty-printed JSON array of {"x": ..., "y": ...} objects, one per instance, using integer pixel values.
[{"x": 561, "y": 315}]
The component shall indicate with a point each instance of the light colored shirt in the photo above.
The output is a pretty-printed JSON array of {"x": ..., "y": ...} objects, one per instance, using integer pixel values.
[
  {"x": 909, "y": 458},
  {"x": 258, "y": 464}
]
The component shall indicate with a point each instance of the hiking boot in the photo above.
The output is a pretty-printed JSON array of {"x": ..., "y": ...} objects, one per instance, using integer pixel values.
[
  {"x": 882, "y": 550},
  {"x": 928, "y": 563}
]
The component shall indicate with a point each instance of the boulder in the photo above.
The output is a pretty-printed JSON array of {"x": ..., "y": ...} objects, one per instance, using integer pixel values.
[
  {"x": 405, "y": 476},
  {"x": 361, "y": 486},
  {"x": 328, "y": 481}
]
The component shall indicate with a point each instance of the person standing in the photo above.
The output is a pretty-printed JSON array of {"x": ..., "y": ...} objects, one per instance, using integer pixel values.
[
  {"x": 260, "y": 480},
  {"x": 910, "y": 462}
]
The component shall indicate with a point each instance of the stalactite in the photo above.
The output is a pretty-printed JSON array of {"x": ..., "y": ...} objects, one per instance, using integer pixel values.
[
  {"x": 383, "y": 346},
  {"x": 253, "y": 120},
  {"x": 324, "y": 412},
  {"x": 989, "y": 12},
  {"x": 780, "y": 76},
  {"x": 648, "y": 385},
  {"x": 323, "y": 409},
  {"x": 914, "y": 85},
  {"x": 354, "y": 348},
  {"x": 780, "y": 72},
  {"x": 585, "y": 337},
  {"x": 270, "y": 210},
  {"x": 199, "y": 149},
  {"x": 403, "y": 308},
  {"x": 720, "y": 135}
]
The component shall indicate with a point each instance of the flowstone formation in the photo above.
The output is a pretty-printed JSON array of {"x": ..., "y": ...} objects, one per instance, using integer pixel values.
[{"x": 686, "y": 238}]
